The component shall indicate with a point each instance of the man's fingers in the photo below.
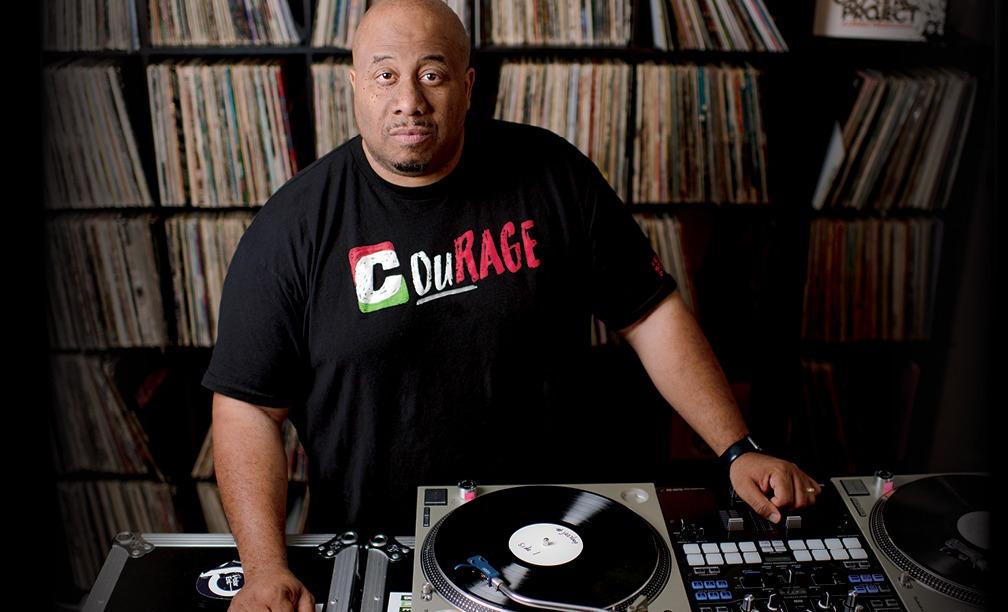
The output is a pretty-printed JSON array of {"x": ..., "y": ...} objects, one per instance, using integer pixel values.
[
  {"x": 803, "y": 492},
  {"x": 784, "y": 490},
  {"x": 809, "y": 488},
  {"x": 750, "y": 492},
  {"x": 282, "y": 606},
  {"x": 306, "y": 603},
  {"x": 283, "y": 601}
]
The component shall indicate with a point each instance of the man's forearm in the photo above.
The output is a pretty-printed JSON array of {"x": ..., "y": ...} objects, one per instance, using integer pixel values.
[
  {"x": 251, "y": 470},
  {"x": 683, "y": 367}
]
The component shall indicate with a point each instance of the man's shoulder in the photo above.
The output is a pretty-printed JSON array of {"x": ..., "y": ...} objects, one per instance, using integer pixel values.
[
  {"x": 316, "y": 177},
  {"x": 526, "y": 149},
  {"x": 291, "y": 213},
  {"x": 532, "y": 139}
]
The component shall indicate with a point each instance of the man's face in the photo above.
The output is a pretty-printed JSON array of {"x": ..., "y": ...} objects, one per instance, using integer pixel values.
[{"x": 411, "y": 93}]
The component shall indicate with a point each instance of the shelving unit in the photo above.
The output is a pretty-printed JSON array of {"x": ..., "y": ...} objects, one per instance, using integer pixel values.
[{"x": 748, "y": 260}]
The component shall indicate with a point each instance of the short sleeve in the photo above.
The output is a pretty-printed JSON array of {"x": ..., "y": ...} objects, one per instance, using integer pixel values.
[
  {"x": 257, "y": 354},
  {"x": 627, "y": 276}
]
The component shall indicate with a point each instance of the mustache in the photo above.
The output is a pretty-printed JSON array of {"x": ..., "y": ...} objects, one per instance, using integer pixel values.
[{"x": 412, "y": 124}]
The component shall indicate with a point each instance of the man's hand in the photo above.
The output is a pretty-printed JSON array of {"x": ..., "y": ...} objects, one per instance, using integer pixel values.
[
  {"x": 754, "y": 475},
  {"x": 274, "y": 591}
]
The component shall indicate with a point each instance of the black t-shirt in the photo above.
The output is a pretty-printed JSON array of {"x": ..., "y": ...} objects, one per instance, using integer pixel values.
[{"x": 427, "y": 335}]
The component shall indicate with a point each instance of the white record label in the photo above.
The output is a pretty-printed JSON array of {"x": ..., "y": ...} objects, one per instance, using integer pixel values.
[
  {"x": 546, "y": 544},
  {"x": 975, "y": 527}
]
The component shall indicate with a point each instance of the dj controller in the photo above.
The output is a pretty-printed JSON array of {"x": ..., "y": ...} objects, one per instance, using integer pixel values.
[
  {"x": 917, "y": 543},
  {"x": 732, "y": 559}
]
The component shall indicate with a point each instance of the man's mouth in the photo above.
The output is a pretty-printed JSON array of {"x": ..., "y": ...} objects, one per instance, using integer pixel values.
[{"x": 411, "y": 135}]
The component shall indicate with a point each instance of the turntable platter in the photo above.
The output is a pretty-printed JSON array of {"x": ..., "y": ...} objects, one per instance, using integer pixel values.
[
  {"x": 937, "y": 529},
  {"x": 550, "y": 543}
]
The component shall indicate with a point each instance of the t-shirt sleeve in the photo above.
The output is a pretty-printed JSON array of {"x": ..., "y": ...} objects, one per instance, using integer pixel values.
[
  {"x": 627, "y": 276},
  {"x": 257, "y": 354}
]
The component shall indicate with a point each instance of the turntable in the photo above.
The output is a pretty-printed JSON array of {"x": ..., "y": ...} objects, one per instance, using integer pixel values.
[
  {"x": 870, "y": 544},
  {"x": 589, "y": 547},
  {"x": 931, "y": 533}
]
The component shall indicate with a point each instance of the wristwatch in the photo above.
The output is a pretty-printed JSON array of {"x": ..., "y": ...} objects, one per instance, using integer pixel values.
[{"x": 743, "y": 446}]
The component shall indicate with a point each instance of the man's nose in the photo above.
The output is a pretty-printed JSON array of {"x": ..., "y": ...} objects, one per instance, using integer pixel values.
[{"x": 410, "y": 98}]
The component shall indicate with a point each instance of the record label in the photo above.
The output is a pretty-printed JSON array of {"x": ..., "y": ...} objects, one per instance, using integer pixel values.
[
  {"x": 546, "y": 544},
  {"x": 975, "y": 527}
]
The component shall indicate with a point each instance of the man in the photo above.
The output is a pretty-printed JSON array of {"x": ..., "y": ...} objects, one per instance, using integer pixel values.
[{"x": 417, "y": 303}]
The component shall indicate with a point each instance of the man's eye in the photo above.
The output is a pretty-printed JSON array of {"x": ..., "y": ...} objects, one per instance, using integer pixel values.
[
  {"x": 431, "y": 76},
  {"x": 384, "y": 76}
]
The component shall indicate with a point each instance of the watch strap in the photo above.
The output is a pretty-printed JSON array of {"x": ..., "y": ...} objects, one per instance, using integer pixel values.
[{"x": 736, "y": 450}]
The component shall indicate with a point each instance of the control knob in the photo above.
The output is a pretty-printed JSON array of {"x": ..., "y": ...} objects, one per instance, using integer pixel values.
[
  {"x": 747, "y": 603},
  {"x": 851, "y": 603}
]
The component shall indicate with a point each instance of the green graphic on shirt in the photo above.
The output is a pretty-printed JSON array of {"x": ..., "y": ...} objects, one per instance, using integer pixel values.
[{"x": 400, "y": 297}]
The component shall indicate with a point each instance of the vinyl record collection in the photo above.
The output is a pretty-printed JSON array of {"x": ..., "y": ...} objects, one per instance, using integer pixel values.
[
  {"x": 871, "y": 279},
  {"x": 90, "y": 25},
  {"x": 102, "y": 281},
  {"x": 716, "y": 25},
  {"x": 221, "y": 132},
  {"x": 583, "y": 102},
  {"x": 333, "y": 96},
  {"x": 699, "y": 135},
  {"x": 94, "y": 430},
  {"x": 336, "y": 21},
  {"x": 201, "y": 247},
  {"x": 95, "y": 511},
  {"x": 91, "y": 157},
  {"x": 221, "y": 22},
  {"x": 554, "y": 22},
  {"x": 901, "y": 142}
]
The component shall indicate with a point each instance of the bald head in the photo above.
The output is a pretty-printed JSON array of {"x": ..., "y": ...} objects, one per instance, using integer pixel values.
[
  {"x": 412, "y": 85},
  {"x": 404, "y": 16}
]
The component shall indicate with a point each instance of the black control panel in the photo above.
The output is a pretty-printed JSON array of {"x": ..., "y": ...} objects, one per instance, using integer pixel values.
[{"x": 732, "y": 560}]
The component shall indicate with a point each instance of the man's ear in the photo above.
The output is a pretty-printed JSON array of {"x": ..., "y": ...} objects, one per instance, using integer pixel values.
[
  {"x": 353, "y": 79},
  {"x": 470, "y": 78}
]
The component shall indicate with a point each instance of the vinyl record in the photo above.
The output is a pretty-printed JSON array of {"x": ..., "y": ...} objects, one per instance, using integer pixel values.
[
  {"x": 558, "y": 544},
  {"x": 938, "y": 529}
]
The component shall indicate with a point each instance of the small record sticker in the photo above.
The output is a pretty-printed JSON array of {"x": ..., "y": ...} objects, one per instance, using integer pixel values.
[
  {"x": 546, "y": 544},
  {"x": 222, "y": 582}
]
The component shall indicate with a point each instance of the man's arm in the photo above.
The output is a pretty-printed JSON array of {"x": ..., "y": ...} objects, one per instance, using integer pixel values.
[
  {"x": 251, "y": 470},
  {"x": 683, "y": 367}
]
